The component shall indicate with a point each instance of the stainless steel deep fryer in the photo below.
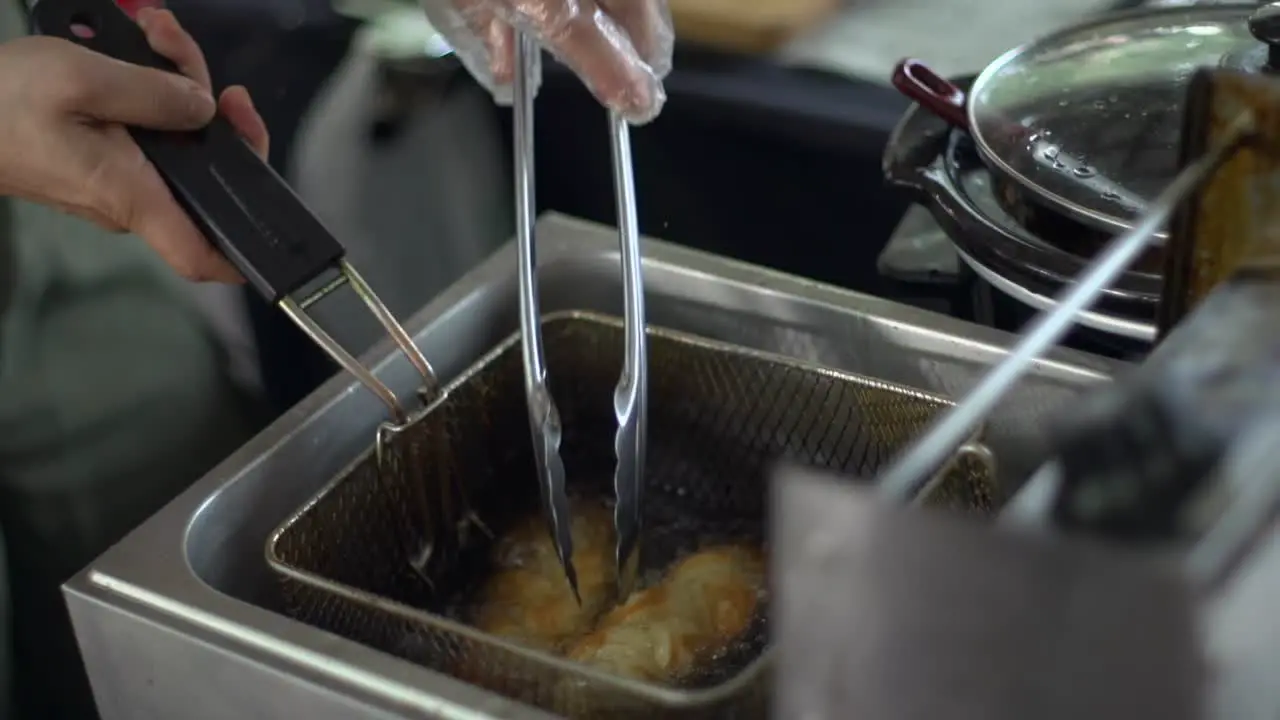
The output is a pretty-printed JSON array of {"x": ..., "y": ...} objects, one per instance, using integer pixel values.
[{"x": 721, "y": 417}]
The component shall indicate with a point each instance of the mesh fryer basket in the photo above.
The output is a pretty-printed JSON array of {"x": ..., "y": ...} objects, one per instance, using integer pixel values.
[{"x": 719, "y": 418}]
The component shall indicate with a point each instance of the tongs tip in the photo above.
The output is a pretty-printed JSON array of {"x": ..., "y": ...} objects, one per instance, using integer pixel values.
[
  {"x": 627, "y": 483},
  {"x": 552, "y": 484},
  {"x": 572, "y": 576}
]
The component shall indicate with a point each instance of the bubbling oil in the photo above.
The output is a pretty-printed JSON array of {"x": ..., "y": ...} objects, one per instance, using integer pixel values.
[{"x": 670, "y": 534}]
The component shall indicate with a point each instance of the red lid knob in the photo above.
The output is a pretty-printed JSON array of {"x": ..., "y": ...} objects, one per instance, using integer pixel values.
[{"x": 131, "y": 7}]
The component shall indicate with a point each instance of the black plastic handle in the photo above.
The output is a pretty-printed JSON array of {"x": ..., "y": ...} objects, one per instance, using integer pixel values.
[{"x": 234, "y": 197}]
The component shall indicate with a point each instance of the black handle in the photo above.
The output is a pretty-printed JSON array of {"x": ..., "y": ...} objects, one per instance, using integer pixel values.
[
  {"x": 1131, "y": 458},
  {"x": 234, "y": 197}
]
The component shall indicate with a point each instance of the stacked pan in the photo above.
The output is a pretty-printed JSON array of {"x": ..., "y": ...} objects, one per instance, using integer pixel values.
[{"x": 1058, "y": 145}]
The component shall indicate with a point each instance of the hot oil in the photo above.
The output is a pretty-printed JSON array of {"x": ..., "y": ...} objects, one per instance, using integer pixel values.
[
  {"x": 671, "y": 532},
  {"x": 674, "y": 533},
  {"x": 726, "y": 663}
]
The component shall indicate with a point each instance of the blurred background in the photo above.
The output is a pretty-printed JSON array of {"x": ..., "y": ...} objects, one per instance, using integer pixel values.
[{"x": 768, "y": 151}]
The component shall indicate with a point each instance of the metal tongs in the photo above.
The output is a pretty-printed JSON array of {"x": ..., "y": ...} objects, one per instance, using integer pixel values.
[
  {"x": 630, "y": 395},
  {"x": 240, "y": 203}
]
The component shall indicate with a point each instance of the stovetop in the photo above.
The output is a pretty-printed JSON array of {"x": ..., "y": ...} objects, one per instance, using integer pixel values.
[
  {"x": 928, "y": 273},
  {"x": 919, "y": 251}
]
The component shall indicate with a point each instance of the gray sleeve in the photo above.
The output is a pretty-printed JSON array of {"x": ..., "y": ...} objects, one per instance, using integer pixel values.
[
  {"x": 7, "y": 270},
  {"x": 13, "y": 24},
  {"x": 113, "y": 399},
  {"x": 14, "y": 19},
  {"x": 6, "y": 662},
  {"x": 5, "y": 637}
]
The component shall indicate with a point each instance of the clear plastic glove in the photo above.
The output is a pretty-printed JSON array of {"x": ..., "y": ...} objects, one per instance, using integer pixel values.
[
  {"x": 63, "y": 142},
  {"x": 620, "y": 48}
]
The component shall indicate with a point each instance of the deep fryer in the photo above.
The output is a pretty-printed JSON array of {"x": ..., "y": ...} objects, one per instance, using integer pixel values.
[{"x": 721, "y": 417}]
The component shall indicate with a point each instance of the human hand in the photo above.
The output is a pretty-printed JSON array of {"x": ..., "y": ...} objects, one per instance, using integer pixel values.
[
  {"x": 63, "y": 142},
  {"x": 620, "y": 48}
]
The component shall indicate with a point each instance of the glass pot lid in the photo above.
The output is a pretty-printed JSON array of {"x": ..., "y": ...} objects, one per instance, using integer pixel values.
[{"x": 1088, "y": 120}]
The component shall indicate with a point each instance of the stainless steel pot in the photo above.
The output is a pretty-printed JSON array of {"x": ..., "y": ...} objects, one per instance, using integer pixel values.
[
  {"x": 1085, "y": 122},
  {"x": 1035, "y": 163}
]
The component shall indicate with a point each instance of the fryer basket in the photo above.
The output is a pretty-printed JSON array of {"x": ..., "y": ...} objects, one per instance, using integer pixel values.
[{"x": 720, "y": 417}]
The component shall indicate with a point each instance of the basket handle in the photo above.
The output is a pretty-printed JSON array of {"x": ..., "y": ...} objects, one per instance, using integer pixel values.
[
  {"x": 975, "y": 450},
  {"x": 980, "y": 453}
]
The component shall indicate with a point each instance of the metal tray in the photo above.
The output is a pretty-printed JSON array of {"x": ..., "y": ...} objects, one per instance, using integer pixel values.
[
  {"x": 721, "y": 418},
  {"x": 182, "y": 618}
]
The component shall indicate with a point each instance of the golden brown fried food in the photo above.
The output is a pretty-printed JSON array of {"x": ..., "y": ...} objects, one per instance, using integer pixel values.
[
  {"x": 662, "y": 633},
  {"x": 528, "y": 599}
]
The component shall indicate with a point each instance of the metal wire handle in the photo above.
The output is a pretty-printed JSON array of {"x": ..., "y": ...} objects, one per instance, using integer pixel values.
[{"x": 296, "y": 310}]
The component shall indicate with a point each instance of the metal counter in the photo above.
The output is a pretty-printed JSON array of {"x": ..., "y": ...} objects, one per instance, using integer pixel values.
[{"x": 179, "y": 619}]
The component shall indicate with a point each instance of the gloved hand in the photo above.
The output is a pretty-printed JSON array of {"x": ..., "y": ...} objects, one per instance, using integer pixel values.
[
  {"x": 63, "y": 109},
  {"x": 620, "y": 48}
]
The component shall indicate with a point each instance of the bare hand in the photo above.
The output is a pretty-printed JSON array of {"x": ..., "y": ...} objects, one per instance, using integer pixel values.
[{"x": 63, "y": 112}]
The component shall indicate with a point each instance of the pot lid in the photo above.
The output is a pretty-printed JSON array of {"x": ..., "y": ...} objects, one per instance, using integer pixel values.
[{"x": 1089, "y": 119}]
